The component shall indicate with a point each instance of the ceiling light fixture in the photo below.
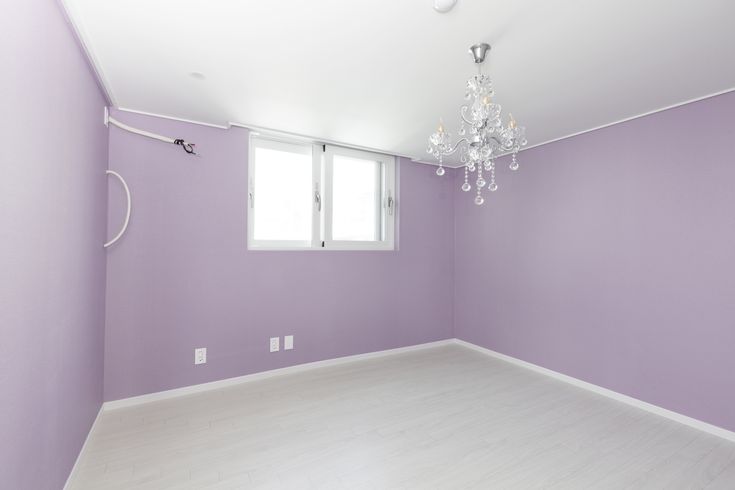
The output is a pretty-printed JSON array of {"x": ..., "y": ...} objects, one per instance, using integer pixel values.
[
  {"x": 444, "y": 6},
  {"x": 487, "y": 137}
]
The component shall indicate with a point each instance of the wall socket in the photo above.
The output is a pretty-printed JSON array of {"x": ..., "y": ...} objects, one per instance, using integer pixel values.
[
  {"x": 288, "y": 342},
  {"x": 200, "y": 355},
  {"x": 275, "y": 344}
]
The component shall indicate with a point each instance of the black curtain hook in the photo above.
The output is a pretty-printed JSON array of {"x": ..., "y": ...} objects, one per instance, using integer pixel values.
[{"x": 188, "y": 147}]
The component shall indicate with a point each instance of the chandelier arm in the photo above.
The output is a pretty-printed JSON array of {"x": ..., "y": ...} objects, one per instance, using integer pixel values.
[
  {"x": 462, "y": 110},
  {"x": 456, "y": 145},
  {"x": 501, "y": 145}
]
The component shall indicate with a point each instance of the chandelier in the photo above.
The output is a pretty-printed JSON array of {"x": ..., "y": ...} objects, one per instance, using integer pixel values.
[{"x": 486, "y": 136}]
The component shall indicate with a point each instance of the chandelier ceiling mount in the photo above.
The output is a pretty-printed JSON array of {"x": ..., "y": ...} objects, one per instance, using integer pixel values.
[{"x": 479, "y": 51}]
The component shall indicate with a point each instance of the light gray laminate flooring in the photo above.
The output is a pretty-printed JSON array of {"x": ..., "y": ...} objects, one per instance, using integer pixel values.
[{"x": 441, "y": 418}]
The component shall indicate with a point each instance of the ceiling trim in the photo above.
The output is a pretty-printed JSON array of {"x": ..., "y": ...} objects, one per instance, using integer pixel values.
[
  {"x": 638, "y": 116},
  {"x": 323, "y": 141},
  {"x": 173, "y": 118},
  {"x": 619, "y": 121},
  {"x": 417, "y": 160},
  {"x": 275, "y": 132},
  {"x": 84, "y": 44}
]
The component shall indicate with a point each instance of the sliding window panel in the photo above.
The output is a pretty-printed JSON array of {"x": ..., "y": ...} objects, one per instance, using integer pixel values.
[
  {"x": 360, "y": 200},
  {"x": 281, "y": 212}
]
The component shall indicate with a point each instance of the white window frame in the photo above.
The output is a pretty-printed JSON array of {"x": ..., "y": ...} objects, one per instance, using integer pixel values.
[{"x": 322, "y": 206}]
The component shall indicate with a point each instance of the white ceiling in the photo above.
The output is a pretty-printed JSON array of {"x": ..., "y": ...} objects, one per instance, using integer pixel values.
[{"x": 378, "y": 74}]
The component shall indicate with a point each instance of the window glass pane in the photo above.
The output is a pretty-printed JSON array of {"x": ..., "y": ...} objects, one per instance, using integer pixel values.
[
  {"x": 282, "y": 209},
  {"x": 356, "y": 199}
]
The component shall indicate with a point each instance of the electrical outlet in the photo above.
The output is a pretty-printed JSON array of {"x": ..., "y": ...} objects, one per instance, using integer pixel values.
[
  {"x": 288, "y": 342},
  {"x": 275, "y": 344},
  {"x": 200, "y": 355}
]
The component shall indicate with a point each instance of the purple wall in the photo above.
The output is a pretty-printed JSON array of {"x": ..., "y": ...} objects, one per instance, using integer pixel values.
[
  {"x": 182, "y": 276},
  {"x": 52, "y": 225},
  {"x": 610, "y": 257}
]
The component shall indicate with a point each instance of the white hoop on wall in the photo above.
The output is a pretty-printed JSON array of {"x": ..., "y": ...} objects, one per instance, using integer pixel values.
[{"x": 127, "y": 213}]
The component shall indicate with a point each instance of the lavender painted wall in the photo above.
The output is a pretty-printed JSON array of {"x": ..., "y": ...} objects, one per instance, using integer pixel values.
[
  {"x": 182, "y": 276},
  {"x": 610, "y": 257},
  {"x": 52, "y": 225}
]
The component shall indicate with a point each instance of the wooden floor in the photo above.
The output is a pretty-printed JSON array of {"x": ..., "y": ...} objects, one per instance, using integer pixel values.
[{"x": 441, "y": 418}]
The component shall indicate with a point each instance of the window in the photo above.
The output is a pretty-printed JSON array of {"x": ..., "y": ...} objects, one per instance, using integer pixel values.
[
  {"x": 282, "y": 214},
  {"x": 305, "y": 196}
]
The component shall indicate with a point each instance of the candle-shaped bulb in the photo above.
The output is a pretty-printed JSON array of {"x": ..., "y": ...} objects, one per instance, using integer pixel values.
[
  {"x": 512, "y": 122},
  {"x": 487, "y": 100},
  {"x": 441, "y": 126}
]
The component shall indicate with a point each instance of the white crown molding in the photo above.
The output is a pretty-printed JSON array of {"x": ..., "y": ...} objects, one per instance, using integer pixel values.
[
  {"x": 74, "y": 469},
  {"x": 416, "y": 159},
  {"x": 83, "y": 38},
  {"x": 273, "y": 132},
  {"x": 631, "y": 118},
  {"x": 628, "y": 400},
  {"x": 619, "y": 121},
  {"x": 314, "y": 139},
  {"x": 214, "y": 385},
  {"x": 173, "y": 118}
]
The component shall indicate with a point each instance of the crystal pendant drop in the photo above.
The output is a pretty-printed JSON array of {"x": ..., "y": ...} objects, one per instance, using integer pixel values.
[
  {"x": 466, "y": 187},
  {"x": 440, "y": 171},
  {"x": 479, "y": 200},
  {"x": 492, "y": 187},
  {"x": 514, "y": 162}
]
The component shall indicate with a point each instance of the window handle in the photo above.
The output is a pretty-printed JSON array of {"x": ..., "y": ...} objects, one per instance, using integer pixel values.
[
  {"x": 390, "y": 204},
  {"x": 318, "y": 200},
  {"x": 252, "y": 199}
]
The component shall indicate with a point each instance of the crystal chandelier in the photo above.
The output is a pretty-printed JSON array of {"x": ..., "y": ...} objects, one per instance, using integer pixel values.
[{"x": 487, "y": 138}]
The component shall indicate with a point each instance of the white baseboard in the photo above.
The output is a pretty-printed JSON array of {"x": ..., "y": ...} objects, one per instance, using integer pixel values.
[
  {"x": 73, "y": 471},
  {"x": 682, "y": 419},
  {"x": 213, "y": 385}
]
